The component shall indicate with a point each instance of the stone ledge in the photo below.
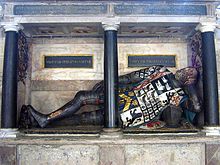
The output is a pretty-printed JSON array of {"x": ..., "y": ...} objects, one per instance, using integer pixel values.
[{"x": 82, "y": 139}]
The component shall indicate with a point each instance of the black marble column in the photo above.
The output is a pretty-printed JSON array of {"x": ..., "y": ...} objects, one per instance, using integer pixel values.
[
  {"x": 210, "y": 81},
  {"x": 111, "y": 78},
  {"x": 9, "y": 80}
]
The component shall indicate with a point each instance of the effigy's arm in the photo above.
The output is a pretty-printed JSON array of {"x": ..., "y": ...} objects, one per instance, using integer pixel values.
[
  {"x": 125, "y": 80},
  {"x": 128, "y": 80}
]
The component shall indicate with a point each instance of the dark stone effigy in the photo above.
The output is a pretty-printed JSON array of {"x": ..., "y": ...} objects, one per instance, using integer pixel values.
[{"x": 148, "y": 99}]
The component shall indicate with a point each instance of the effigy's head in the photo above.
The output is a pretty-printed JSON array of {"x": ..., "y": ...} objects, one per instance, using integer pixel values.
[{"x": 187, "y": 76}]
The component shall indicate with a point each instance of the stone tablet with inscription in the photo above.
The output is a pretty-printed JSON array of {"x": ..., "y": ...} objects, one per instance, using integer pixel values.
[
  {"x": 128, "y": 9},
  {"x": 150, "y": 60},
  {"x": 59, "y": 9},
  {"x": 68, "y": 61}
]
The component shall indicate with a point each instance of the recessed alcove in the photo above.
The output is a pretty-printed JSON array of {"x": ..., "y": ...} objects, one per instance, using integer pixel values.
[{"x": 48, "y": 89}]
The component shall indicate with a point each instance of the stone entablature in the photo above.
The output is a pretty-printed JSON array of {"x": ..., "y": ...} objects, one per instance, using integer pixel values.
[{"x": 23, "y": 12}]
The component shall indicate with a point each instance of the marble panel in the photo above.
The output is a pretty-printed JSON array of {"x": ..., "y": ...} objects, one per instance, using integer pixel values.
[
  {"x": 40, "y": 73},
  {"x": 62, "y": 85},
  {"x": 8, "y": 155},
  {"x": 112, "y": 155},
  {"x": 178, "y": 49},
  {"x": 166, "y": 154},
  {"x": 212, "y": 154},
  {"x": 48, "y": 101},
  {"x": 57, "y": 155}
]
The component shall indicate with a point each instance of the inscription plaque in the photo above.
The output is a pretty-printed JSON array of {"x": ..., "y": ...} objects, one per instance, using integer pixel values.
[
  {"x": 149, "y": 60},
  {"x": 160, "y": 9},
  {"x": 59, "y": 9},
  {"x": 68, "y": 61}
]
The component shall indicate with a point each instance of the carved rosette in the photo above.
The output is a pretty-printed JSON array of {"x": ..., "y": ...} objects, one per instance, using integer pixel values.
[{"x": 22, "y": 57}]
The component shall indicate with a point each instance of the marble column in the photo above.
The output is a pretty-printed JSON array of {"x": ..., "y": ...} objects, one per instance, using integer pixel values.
[
  {"x": 110, "y": 75},
  {"x": 9, "y": 80},
  {"x": 210, "y": 81}
]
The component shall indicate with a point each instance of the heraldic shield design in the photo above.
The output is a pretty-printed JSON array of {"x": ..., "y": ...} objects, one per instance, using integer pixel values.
[{"x": 147, "y": 99}]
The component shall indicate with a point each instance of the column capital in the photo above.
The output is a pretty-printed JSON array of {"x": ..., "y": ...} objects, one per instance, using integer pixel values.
[
  {"x": 110, "y": 25},
  {"x": 11, "y": 26},
  {"x": 206, "y": 26}
]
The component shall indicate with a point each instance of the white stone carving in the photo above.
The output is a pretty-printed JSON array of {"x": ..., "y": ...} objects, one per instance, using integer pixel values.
[
  {"x": 8, "y": 133},
  {"x": 11, "y": 26},
  {"x": 211, "y": 130},
  {"x": 110, "y": 24},
  {"x": 206, "y": 27}
]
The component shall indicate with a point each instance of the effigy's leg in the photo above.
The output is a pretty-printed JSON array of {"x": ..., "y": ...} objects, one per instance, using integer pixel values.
[
  {"x": 94, "y": 117},
  {"x": 81, "y": 98}
]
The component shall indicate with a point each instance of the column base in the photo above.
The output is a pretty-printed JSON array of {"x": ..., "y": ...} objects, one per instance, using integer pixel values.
[
  {"x": 8, "y": 133},
  {"x": 211, "y": 130},
  {"x": 111, "y": 133}
]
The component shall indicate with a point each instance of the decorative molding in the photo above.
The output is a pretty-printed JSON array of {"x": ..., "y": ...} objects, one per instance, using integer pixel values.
[
  {"x": 211, "y": 130},
  {"x": 8, "y": 133}
]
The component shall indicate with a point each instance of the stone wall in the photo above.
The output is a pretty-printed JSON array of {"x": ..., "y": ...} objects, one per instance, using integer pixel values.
[{"x": 130, "y": 150}]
